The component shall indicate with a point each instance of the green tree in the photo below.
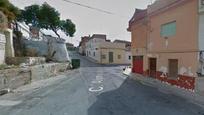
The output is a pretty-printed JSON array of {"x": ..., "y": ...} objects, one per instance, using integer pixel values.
[
  {"x": 31, "y": 15},
  {"x": 47, "y": 17},
  {"x": 68, "y": 27},
  {"x": 9, "y": 10},
  {"x": 50, "y": 18}
]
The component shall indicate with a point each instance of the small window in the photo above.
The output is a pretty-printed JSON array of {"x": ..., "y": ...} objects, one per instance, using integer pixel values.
[
  {"x": 129, "y": 57},
  {"x": 103, "y": 56},
  {"x": 94, "y": 54},
  {"x": 119, "y": 56},
  {"x": 168, "y": 29},
  {"x": 202, "y": 2}
]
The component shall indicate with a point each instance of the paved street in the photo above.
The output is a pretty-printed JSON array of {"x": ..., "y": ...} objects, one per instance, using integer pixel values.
[{"x": 96, "y": 90}]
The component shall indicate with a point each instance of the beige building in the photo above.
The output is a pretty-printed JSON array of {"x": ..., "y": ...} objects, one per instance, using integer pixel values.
[
  {"x": 103, "y": 51},
  {"x": 167, "y": 42}
]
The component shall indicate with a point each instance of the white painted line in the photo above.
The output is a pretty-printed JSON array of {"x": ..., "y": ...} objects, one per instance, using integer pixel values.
[
  {"x": 92, "y": 89},
  {"x": 9, "y": 103}
]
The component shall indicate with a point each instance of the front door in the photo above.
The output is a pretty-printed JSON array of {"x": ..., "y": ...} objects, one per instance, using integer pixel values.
[
  {"x": 173, "y": 68},
  {"x": 137, "y": 64},
  {"x": 110, "y": 57},
  {"x": 152, "y": 67}
]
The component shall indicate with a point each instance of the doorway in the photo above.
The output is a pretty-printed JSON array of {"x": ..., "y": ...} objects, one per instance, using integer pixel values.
[
  {"x": 137, "y": 64},
  {"x": 152, "y": 67},
  {"x": 110, "y": 57},
  {"x": 173, "y": 68}
]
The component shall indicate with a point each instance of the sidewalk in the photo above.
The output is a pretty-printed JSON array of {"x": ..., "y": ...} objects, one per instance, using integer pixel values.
[
  {"x": 166, "y": 88},
  {"x": 90, "y": 59}
]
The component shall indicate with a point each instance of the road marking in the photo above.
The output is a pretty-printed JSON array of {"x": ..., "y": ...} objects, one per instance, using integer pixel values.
[
  {"x": 96, "y": 84},
  {"x": 92, "y": 89},
  {"x": 9, "y": 103}
]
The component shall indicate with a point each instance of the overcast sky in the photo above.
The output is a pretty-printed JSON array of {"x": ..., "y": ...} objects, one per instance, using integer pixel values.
[{"x": 89, "y": 21}]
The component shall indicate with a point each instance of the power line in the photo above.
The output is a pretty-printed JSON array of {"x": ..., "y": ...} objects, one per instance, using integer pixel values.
[{"x": 90, "y": 7}]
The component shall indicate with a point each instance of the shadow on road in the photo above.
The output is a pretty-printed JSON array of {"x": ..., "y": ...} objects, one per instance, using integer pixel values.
[
  {"x": 133, "y": 98},
  {"x": 88, "y": 63}
]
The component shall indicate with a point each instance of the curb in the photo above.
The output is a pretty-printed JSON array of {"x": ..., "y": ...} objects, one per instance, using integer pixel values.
[{"x": 192, "y": 97}]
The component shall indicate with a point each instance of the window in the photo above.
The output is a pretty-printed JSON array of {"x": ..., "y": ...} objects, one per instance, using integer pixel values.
[
  {"x": 129, "y": 57},
  {"x": 94, "y": 54},
  {"x": 103, "y": 56},
  {"x": 202, "y": 2},
  {"x": 119, "y": 56},
  {"x": 168, "y": 29}
]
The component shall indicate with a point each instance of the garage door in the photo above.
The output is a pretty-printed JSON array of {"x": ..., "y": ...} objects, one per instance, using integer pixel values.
[{"x": 137, "y": 64}]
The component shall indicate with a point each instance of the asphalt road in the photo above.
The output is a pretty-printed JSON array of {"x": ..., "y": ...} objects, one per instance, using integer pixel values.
[{"x": 96, "y": 90}]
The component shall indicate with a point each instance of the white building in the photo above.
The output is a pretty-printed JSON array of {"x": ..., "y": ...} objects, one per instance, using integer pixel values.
[{"x": 103, "y": 51}]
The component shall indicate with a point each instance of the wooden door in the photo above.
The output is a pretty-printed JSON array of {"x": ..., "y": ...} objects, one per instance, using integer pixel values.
[
  {"x": 152, "y": 67},
  {"x": 110, "y": 57},
  {"x": 173, "y": 68}
]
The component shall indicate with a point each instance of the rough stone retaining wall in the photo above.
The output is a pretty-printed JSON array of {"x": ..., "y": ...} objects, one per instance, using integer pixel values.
[
  {"x": 26, "y": 60},
  {"x": 14, "y": 78}
]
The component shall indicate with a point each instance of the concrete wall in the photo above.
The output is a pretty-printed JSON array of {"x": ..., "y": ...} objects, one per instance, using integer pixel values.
[
  {"x": 185, "y": 67},
  {"x": 139, "y": 35},
  {"x": 186, "y": 17},
  {"x": 25, "y": 60},
  {"x": 111, "y": 45},
  {"x": 14, "y": 78},
  {"x": 97, "y": 56},
  {"x": 2, "y": 48},
  {"x": 183, "y": 45},
  {"x": 127, "y": 54},
  {"x": 116, "y": 52},
  {"x": 44, "y": 71},
  {"x": 40, "y": 46}
]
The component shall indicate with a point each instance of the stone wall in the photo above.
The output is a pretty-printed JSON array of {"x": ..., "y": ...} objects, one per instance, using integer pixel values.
[
  {"x": 26, "y": 60},
  {"x": 14, "y": 78}
]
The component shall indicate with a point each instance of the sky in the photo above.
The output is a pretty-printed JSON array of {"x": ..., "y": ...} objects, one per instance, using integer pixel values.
[{"x": 90, "y": 21}]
